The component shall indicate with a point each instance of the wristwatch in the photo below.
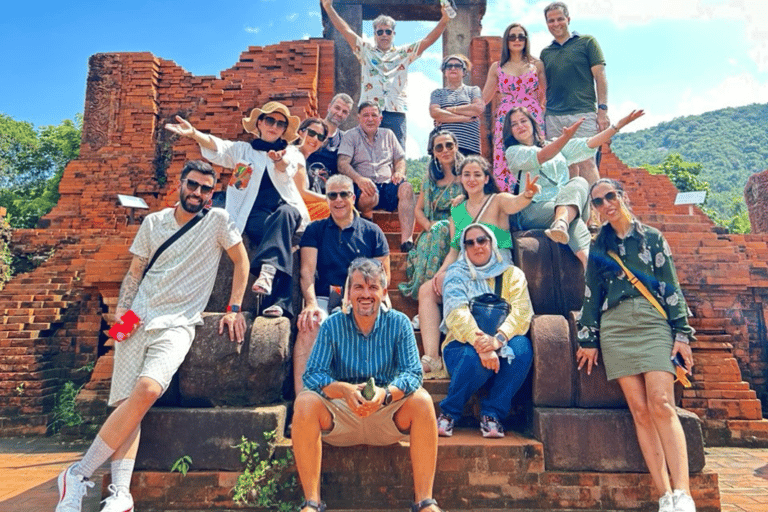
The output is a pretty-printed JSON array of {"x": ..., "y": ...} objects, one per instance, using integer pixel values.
[
  {"x": 503, "y": 339},
  {"x": 387, "y": 397},
  {"x": 602, "y": 106},
  {"x": 233, "y": 308}
]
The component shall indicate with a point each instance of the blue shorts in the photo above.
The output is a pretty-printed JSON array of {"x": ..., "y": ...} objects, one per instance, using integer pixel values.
[
  {"x": 395, "y": 121},
  {"x": 387, "y": 196}
]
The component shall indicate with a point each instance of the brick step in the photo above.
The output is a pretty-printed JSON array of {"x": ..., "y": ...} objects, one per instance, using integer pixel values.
[{"x": 720, "y": 394}]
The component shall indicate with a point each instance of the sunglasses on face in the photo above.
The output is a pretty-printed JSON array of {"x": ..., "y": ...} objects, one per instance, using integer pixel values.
[
  {"x": 272, "y": 121},
  {"x": 480, "y": 241},
  {"x": 344, "y": 194},
  {"x": 312, "y": 133},
  {"x": 439, "y": 147},
  {"x": 192, "y": 185},
  {"x": 383, "y": 31},
  {"x": 518, "y": 37},
  {"x": 454, "y": 66},
  {"x": 599, "y": 201}
]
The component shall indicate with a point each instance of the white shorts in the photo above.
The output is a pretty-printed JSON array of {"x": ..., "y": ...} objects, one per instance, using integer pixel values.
[
  {"x": 156, "y": 354},
  {"x": 555, "y": 124}
]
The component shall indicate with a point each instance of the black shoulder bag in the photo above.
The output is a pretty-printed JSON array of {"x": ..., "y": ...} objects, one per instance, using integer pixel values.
[
  {"x": 186, "y": 227},
  {"x": 490, "y": 309}
]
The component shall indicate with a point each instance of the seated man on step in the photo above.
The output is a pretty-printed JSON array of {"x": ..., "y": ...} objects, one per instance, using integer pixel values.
[{"x": 351, "y": 347}]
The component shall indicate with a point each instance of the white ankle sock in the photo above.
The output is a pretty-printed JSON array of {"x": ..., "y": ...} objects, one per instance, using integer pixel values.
[
  {"x": 122, "y": 470},
  {"x": 96, "y": 455}
]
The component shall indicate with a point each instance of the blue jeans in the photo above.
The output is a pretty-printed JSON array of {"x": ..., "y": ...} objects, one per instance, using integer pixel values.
[{"x": 468, "y": 375}]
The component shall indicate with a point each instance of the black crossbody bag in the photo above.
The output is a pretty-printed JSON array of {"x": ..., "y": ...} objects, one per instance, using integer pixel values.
[
  {"x": 490, "y": 309},
  {"x": 186, "y": 227}
]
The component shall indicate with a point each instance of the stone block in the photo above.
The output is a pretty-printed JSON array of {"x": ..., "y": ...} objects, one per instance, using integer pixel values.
[
  {"x": 555, "y": 276},
  {"x": 553, "y": 367},
  {"x": 603, "y": 440},
  {"x": 214, "y": 373},
  {"x": 207, "y": 435}
]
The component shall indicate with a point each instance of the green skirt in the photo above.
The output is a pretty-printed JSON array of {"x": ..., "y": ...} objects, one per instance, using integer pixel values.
[{"x": 634, "y": 339}]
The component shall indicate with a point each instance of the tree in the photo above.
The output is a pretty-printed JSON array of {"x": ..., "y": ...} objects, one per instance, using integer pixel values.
[
  {"x": 684, "y": 175},
  {"x": 31, "y": 165}
]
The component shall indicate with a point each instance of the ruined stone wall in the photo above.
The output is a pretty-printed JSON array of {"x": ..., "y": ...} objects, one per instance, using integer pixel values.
[{"x": 756, "y": 197}]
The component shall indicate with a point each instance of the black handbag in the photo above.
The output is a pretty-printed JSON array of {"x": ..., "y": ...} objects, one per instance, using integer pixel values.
[{"x": 490, "y": 309}]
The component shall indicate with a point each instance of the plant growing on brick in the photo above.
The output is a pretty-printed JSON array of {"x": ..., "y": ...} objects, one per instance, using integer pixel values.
[
  {"x": 64, "y": 412},
  {"x": 182, "y": 465},
  {"x": 264, "y": 479}
]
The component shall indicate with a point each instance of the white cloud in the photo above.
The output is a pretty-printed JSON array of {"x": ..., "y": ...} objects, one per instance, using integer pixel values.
[
  {"x": 432, "y": 56},
  {"x": 252, "y": 30},
  {"x": 314, "y": 14},
  {"x": 733, "y": 91},
  {"x": 420, "y": 86},
  {"x": 292, "y": 16},
  {"x": 306, "y": 36}
]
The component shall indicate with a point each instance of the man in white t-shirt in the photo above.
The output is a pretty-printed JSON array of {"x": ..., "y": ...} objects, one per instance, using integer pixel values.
[{"x": 385, "y": 67}]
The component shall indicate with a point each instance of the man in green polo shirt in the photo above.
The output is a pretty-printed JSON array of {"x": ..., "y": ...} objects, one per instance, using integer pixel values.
[{"x": 576, "y": 84}]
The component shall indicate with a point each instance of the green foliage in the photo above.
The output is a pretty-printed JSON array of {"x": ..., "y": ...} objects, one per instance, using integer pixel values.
[
  {"x": 31, "y": 165},
  {"x": 729, "y": 211},
  {"x": 264, "y": 479},
  {"x": 65, "y": 413},
  {"x": 684, "y": 175},
  {"x": 182, "y": 465},
  {"x": 416, "y": 172},
  {"x": 730, "y": 144}
]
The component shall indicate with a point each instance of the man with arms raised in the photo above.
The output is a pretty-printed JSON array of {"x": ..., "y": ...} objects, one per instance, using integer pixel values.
[
  {"x": 375, "y": 161},
  {"x": 368, "y": 341},
  {"x": 328, "y": 247},
  {"x": 168, "y": 299}
]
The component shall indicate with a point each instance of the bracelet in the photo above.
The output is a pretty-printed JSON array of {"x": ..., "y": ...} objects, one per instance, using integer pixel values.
[{"x": 615, "y": 128}]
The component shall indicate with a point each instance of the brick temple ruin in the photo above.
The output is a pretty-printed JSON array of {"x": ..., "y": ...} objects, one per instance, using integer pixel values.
[{"x": 54, "y": 317}]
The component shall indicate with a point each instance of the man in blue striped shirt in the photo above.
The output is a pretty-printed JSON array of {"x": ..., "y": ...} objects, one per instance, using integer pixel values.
[{"x": 351, "y": 347}]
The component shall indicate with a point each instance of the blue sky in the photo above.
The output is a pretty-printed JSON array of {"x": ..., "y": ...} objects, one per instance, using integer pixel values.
[{"x": 671, "y": 57}]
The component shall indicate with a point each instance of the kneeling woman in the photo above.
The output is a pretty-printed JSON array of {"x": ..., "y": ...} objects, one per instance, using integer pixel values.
[
  {"x": 471, "y": 356},
  {"x": 639, "y": 336}
]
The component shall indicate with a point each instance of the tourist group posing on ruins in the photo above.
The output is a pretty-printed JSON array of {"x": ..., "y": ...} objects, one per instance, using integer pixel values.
[{"x": 474, "y": 311}]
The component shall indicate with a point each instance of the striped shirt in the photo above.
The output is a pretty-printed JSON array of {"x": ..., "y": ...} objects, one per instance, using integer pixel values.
[
  {"x": 343, "y": 353},
  {"x": 467, "y": 134}
]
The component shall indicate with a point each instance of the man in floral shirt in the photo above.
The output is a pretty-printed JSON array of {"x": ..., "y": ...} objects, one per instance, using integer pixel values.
[{"x": 384, "y": 66}]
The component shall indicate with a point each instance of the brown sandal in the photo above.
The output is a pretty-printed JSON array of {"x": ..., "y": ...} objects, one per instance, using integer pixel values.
[{"x": 558, "y": 232}]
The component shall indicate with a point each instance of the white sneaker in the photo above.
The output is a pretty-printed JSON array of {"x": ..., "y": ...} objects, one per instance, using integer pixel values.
[
  {"x": 120, "y": 501},
  {"x": 415, "y": 323},
  {"x": 683, "y": 501},
  {"x": 72, "y": 488},
  {"x": 667, "y": 503}
]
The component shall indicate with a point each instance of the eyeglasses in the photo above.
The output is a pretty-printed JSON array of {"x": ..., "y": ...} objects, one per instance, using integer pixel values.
[
  {"x": 598, "y": 201},
  {"x": 383, "y": 31},
  {"x": 480, "y": 241},
  {"x": 271, "y": 121},
  {"x": 312, "y": 133},
  {"x": 454, "y": 66},
  {"x": 192, "y": 185},
  {"x": 518, "y": 37},
  {"x": 439, "y": 147},
  {"x": 344, "y": 194}
]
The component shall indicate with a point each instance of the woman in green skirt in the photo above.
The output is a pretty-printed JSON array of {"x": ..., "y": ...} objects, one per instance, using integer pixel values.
[{"x": 640, "y": 330}]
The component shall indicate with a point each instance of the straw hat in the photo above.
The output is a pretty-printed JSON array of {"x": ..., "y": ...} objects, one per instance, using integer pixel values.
[{"x": 249, "y": 123}]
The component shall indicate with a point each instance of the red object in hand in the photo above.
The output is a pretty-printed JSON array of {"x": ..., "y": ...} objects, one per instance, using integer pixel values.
[{"x": 120, "y": 331}]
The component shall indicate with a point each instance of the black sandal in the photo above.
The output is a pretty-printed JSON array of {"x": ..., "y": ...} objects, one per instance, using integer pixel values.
[
  {"x": 421, "y": 505},
  {"x": 319, "y": 506}
]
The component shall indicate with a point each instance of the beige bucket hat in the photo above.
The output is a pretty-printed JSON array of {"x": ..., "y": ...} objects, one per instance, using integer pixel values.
[{"x": 249, "y": 123}]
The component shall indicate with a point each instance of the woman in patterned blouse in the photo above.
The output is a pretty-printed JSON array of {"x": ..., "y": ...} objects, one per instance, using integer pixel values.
[{"x": 636, "y": 341}]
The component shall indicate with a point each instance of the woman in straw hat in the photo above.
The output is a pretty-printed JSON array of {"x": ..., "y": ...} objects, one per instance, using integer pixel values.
[{"x": 263, "y": 201}]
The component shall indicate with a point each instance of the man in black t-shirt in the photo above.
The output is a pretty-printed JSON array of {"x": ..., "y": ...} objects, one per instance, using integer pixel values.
[
  {"x": 338, "y": 112},
  {"x": 327, "y": 249}
]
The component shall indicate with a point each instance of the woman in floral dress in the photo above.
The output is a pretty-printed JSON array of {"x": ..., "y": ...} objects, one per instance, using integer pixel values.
[{"x": 520, "y": 81}]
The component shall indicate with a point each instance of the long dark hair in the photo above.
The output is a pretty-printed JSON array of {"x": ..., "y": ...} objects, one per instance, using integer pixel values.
[
  {"x": 491, "y": 187},
  {"x": 506, "y": 134},
  {"x": 606, "y": 238},
  {"x": 505, "y": 56},
  {"x": 309, "y": 121},
  {"x": 435, "y": 170}
]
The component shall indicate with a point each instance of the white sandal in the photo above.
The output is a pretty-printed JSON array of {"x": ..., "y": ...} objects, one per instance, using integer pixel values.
[
  {"x": 263, "y": 284},
  {"x": 273, "y": 311},
  {"x": 434, "y": 365},
  {"x": 558, "y": 234}
]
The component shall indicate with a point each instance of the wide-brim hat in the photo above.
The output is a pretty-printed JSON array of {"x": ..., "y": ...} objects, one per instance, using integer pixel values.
[{"x": 249, "y": 123}]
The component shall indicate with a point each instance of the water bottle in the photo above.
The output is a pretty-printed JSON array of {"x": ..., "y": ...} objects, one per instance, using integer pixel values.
[{"x": 449, "y": 9}]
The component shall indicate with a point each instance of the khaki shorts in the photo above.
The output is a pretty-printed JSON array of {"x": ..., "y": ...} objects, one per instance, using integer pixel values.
[
  {"x": 555, "y": 125},
  {"x": 349, "y": 429},
  {"x": 156, "y": 354}
]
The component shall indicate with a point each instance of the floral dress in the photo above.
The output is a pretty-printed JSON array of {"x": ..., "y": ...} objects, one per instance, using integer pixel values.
[
  {"x": 515, "y": 91},
  {"x": 432, "y": 247}
]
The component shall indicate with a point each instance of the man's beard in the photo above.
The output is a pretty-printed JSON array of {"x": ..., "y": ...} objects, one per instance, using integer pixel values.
[{"x": 191, "y": 208}]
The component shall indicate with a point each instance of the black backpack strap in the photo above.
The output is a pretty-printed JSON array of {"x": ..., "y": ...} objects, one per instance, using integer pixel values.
[
  {"x": 186, "y": 227},
  {"x": 497, "y": 288}
]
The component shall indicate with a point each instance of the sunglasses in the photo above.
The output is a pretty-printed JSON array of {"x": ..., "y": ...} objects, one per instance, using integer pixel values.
[
  {"x": 383, "y": 31},
  {"x": 439, "y": 147},
  {"x": 344, "y": 194},
  {"x": 317, "y": 135},
  {"x": 454, "y": 66},
  {"x": 271, "y": 121},
  {"x": 192, "y": 185},
  {"x": 480, "y": 241},
  {"x": 598, "y": 201},
  {"x": 518, "y": 37}
]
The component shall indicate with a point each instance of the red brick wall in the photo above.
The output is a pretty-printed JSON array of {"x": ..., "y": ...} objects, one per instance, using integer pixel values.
[{"x": 756, "y": 197}]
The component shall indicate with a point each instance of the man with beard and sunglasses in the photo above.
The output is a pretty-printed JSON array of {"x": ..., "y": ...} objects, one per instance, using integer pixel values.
[
  {"x": 327, "y": 249},
  {"x": 338, "y": 111},
  {"x": 384, "y": 74},
  {"x": 168, "y": 299}
]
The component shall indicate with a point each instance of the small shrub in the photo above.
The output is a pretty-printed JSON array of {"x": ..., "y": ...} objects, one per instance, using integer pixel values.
[
  {"x": 263, "y": 480},
  {"x": 182, "y": 465}
]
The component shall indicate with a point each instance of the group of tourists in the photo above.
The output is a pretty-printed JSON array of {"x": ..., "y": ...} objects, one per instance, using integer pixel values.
[{"x": 313, "y": 178}]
